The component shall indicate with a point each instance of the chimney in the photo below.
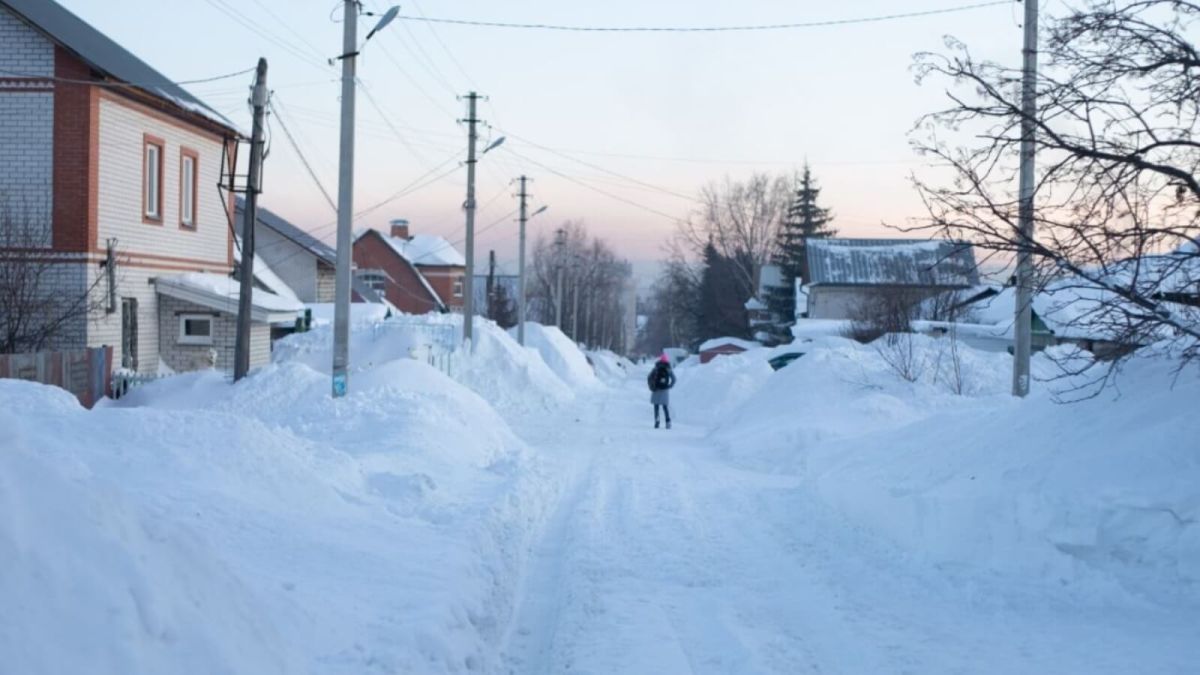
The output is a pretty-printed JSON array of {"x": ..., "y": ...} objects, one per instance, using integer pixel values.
[{"x": 400, "y": 228}]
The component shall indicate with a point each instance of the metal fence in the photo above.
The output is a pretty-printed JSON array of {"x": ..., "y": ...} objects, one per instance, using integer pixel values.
[
  {"x": 86, "y": 373},
  {"x": 433, "y": 341},
  {"x": 125, "y": 381}
]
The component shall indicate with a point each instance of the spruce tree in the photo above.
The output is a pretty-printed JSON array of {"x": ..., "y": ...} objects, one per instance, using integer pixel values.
[
  {"x": 804, "y": 220},
  {"x": 721, "y": 310}
]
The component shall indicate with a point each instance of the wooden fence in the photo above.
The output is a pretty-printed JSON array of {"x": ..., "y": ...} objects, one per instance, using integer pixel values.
[{"x": 86, "y": 373}]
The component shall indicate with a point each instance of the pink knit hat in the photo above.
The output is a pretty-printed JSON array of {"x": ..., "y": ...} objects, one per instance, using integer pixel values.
[{"x": 664, "y": 358}]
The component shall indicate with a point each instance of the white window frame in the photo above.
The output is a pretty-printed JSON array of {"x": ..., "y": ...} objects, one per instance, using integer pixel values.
[
  {"x": 185, "y": 339},
  {"x": 376, "y": 280},
  {"x": 459, "y": 286},
  {"x": 187, "y": 198},
  {"x": 152, "y": 182}
]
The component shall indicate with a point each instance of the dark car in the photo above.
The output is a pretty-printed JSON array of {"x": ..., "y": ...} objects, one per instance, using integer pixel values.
[{"x": 784, "y": 359}]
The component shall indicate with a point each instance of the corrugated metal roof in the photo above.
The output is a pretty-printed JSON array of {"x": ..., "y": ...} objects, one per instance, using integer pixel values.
[
  {"x": 268, "y": 218},
  {"x": 891, "y": 262},
  {"x": 103, "y": 54}
]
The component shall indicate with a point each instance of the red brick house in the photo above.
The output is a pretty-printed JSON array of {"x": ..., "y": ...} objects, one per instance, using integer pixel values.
[
  {"x": 112, "y": 166},
  {"x": 417, "y": 274}
]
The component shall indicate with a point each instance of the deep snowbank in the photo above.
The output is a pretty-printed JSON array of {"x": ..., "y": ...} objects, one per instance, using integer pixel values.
[
  {"x": 1082, "y": 493},
  {"x": 92, "y": 584},
  {"x": 1056, "y": 491},
  {"x": 610, "y": 368},
  {"x": 383, "y": 531},
  {"x": 705, "y": 392},
  {"x": 562, "y": 355},
  {"x": 509, "y": 377}
]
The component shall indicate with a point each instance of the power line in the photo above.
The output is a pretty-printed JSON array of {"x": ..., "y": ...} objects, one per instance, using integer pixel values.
[
  {"x": 299, "y": 153},
  {"x": 597, "y": 167},
  {"x": 648, "y": 209},
  {"x": 705, "y": 29},
  {"x": 415, "y": 185},
  {"x": 388, "y": 121},
  {"x": 140, "y": 85},
  {"x": 254, "y": 27}
]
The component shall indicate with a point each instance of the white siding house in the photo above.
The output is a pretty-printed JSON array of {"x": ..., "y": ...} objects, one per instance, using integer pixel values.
[{"x": 114, "y": 162}]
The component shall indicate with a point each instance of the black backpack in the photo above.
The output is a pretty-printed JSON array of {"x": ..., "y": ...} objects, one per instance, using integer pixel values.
[{"x": 660, "y": 378}]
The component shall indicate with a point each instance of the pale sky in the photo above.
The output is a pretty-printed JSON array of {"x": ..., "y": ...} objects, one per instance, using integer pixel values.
[{"x": 672, "y": 110}]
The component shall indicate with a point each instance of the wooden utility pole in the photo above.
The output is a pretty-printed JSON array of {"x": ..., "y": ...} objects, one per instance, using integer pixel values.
[{"x": 258, "y": 99}]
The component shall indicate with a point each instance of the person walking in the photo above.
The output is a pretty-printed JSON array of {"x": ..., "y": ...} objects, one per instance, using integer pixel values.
[{"x": 660, "y": 380}]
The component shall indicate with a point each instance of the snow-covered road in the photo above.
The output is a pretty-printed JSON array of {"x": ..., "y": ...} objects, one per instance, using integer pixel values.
[{"x": 661, "y": 557}]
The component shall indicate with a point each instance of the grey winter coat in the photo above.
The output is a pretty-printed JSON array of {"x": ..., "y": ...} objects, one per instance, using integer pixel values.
[{"x": 660, "y": 381}]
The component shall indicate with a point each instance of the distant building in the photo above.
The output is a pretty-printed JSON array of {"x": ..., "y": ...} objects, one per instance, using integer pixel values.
[
  {"x": 847, "y": 273},
  {"x": 415, "y": 273},
  {"x": 723, "y": 346}
]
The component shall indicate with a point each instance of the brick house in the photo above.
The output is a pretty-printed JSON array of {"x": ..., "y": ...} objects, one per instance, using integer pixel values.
[
  {"x": 416, "y": 274},
  {"x": 110, "y": 160}
]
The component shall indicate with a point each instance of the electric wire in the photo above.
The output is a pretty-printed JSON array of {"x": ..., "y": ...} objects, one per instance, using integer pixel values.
[
  {"x": 300, "y": 153},
  {"x": 706, "y": 29},
  {"x": 139, "y": 85}
]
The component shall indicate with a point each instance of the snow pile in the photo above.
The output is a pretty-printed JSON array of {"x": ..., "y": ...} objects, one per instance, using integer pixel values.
[
  {"x": 1072, "y": 494},
  {"x": 562, "y": 355},
  {"x": 509, "y": 377},
  {"x": 704, "y": 393},
  {"x": 842, "y": 388},
  {"x": 90, "y": 584},
  {"x": 1034, "y": 487},
  {"x": 611, "y": 368},
  {"x": 383, "y": 531}
]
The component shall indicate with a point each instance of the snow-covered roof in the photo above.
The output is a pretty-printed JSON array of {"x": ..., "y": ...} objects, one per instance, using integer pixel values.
[
  {"x": 266, "y": 276},
  {"x": 731, "y": 341},
  {"x": 426, "y": 250},
  {"x": 220, "y": 293},
  {"x": 108, "y": 57},
  {"x": 1068, "y": 309},
  {"x": 891, "y": 262},
  {"x": 287, "y": 230}
]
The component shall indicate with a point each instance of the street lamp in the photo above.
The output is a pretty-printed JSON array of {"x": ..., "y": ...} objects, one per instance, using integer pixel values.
[{"x": 341, "y": 307}]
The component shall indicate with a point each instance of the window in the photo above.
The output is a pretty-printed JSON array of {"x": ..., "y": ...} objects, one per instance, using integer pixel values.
[
  {"x": 376, "y": 280},
  {"x": 187, "y": 188},
  {"x": 458, "y": 287},
  {"x": 152, "y": 179},
  {"x": 195, "y": 329}
]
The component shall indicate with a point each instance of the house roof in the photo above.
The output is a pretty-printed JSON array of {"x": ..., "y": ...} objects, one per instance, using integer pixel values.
[
  {"x": 728, "y": 341},
  {"x": 266, "y": 276},
  {"x": 287, "y": 230},
  {"x": 108, "y": 57},
  {"x": 426, "y": 250},
  {"x": 891, "y": 262},
  {"x": 1068, "y": 309},
  {"x": 221, "y": 293}
]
